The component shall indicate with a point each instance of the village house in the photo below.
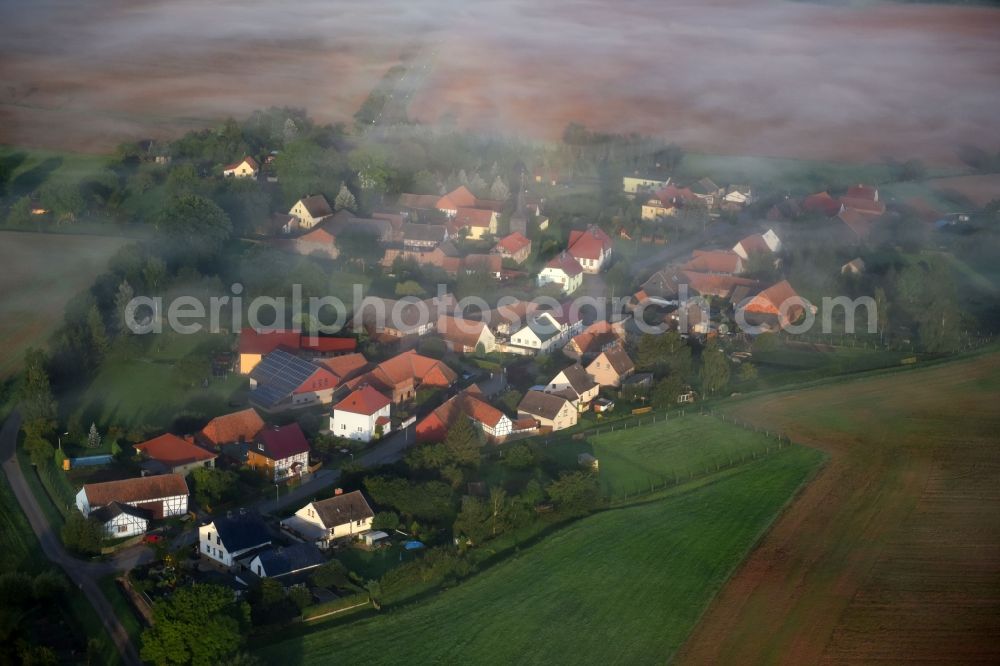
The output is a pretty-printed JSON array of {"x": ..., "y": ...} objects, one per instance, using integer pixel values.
[
  {"x": 707, "y": 191},
  {"x": 778, "y": 305},
  {"x": 864, "y": 199},
  {"x": 540, "y": 335},
  {"x": 855, "y": 266},
  {"x": 509, "y": 316},
  {"x": 563, "y": 270},
  {"x": 596, "y": 338},
  {"x": 229, "y": 538},
  {"x": 477, "y": 222},
  {"x": 245, "y": 168},
  {"x": 170, "y": 454},
  {"x": 821, "y": 203},
  {"x": 346, "y": 367},
  {"x": 402, "y": 318},
  {"x": 552, "y": 412},
  {"x": 323, "y": 522},
  {"x": 363, "y": 415},
  {"x": 724, "y": 262},
  {"x": 423, "y": 237},
  {"x": 460, "y": 197},
  {"x": 311, "y": 210},
  {"x": 515, "y": 247},
  {"x": 591, "y": 248},
  {"x": 283, "y": 381},
  {"x": 280, "y": 452},
  {"x": 576, "y": 385},
  {"x": 858, "y": 225},
  {"x": 655, "y": 209},
  {"x": 317, "y": 241},
  {"x": 632, "y": 185},
  {"x": 766, "y": 242},
  {"x": 611, "y": 367},
  {"x": 737, "y": 197},
  {"x": 401, "y": 376},
  {"x": 254, "y": 345},
  {"x": 139, "y": 500},
  {"x": 493, "y": 423},
  {"x": 234, "y": 428},
  {"x": 466, "y": 336},
  {"x": 286, "y": 561},
  {"x": 418, "y": 202}
]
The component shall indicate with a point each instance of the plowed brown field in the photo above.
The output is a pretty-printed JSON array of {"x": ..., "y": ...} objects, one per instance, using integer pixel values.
[{"x": 892, "y": 553}]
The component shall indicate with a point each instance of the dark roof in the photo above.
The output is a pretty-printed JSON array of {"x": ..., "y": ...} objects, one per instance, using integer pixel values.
[
  {"x": 342, "y": 509},
  {"x": 242, "y": 532},
  {"x": 578, "y": 378},
  {"x": 290, "y": 559},
  {"x": 541, "y": 404},
  {"x": 638, "y": 378},
  {"x": 317, "y": 205},
  {"x": 113, "y": 510},
  {"x": 424, "y": 232},
  {"x": 278, "y": 374},
  {"x": 619, "y": 360},
  {"x": 281, "y": 441}
]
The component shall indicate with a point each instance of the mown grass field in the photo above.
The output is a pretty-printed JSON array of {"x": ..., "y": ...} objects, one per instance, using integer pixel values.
[
  {"x": 635, "y": 460},
  {"x": 41, "y": 273},
  {"x": 30, "y": 168},
  {"x": 892, "y": 554},
  {"x": 623, "y": 586}
]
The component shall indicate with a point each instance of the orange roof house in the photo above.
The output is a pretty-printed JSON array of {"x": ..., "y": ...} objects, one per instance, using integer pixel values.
[
  {"x": 591, "y": 248},
  {"x": 345, "y": 367},
  {"x": 460, "y": 197},
  {"x": 714, "y": 261},
  {"x": 171, "y": 454},
  {"x": 821, "y": 203},
  {"x": 767, "y": 242},
  {"x": 516, "y": 247},
  {"x": 466, "y": 336},
  {"x": 492, "y": 422},
  {"x": 241, "y": 426},
  {"x": 364, "y": 400},
  {"x": 404, "y": 373},
  {"x": 864, "y": 199},
  {"x": 766, "y": 307}
]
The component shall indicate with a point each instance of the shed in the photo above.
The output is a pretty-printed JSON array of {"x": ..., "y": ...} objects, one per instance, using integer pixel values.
[
  {"x": 372, "y": 538},
  {"x": 588, "y": 461}
]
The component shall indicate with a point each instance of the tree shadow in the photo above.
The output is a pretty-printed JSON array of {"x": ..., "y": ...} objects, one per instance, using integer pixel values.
[{"x": 30, "y": 180}]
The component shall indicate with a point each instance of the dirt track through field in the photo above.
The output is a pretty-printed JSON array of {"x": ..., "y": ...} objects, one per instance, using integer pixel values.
[{"x": 893, "y": 552}]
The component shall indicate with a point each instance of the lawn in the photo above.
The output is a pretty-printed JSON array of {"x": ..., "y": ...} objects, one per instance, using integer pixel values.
[
  {"x": 145, "y": 391},
  {"x": 42, "y": 272},
  {"x": 19, "y": 549},
  {"x": 32, "y": 168},
  {"x": 636, "y": 459},
  {"x": 122, "y": 607},
  {"x": 623, "y": 586}
]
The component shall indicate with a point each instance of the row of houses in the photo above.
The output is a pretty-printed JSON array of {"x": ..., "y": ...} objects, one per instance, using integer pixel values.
[
  {"x": 663, "y": 198},
  {"x": 857, "y": 212}
]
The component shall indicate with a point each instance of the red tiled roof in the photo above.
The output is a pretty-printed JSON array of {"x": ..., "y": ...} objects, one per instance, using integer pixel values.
[
  {"x": 418, "y": 201},
  {"x": 283, "y": 441},
  {"x": 138, "y": 490},
  {"x": 565, "y": 262},
  {"x": 589, "y": 244},
  {"x": 821, "y": 203},
  {"x": 328, "y": 344},
  {"x": 723, "y": 286},
  {"x": 172, "y": 450},
  {"x": 265, "y": 342},
  {"x": 237, "y": 426},
  {"x": 410, "y": 365},
  {"x": 473, "y": 217},
  {"x": 861, "y": 191},
  {"x": 513, "y": 243},
  {"x": 714, "y": 261},
  {"x": 863, "y": 205},
  {"x": 463, "y": 332},
  {"x": 365, "y": 400},
  {"x": 771, "y": 299},
  {"x": 858, "y": 222},
  {"x": 460, "y": 197},
  {"x": 319, "y": 236},
  {"x": 248, "y": 159},
  {"x": 346, "y": 366}
]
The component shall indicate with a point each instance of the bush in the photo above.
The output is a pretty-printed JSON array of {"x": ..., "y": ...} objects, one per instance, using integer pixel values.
[{"x": 82, "y": 535}]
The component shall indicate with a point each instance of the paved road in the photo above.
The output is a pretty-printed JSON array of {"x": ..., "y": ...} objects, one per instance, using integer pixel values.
[{"x": 83, "y": 574}]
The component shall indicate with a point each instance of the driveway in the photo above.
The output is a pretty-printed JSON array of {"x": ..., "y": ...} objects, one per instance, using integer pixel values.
[{"x": 83, "y": 574}]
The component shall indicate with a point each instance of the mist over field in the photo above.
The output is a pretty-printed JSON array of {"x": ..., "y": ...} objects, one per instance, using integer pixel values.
[{"x": 752, "y": 77}]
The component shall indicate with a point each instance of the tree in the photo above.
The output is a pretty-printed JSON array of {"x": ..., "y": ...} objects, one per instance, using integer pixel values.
[
  {"x": 212, "y": 486},
  {"x": 409, "y": 288},
  {"x": 154, "y": 273},
  {"x": 472, "y": 520},
  {"x": 345, "y": 199},
  {"x": 194, "y": 228},
  {"x": 462, "y": 443},
  {"x": 499, "y": 508},
  {"x": 881, "y": 312},
  {"x": 192, "y": 369},
  {"x": 19, "y": 216},
  {"x": 63, "y": 199},
  {"x": 385, "y": 520},
  {"x": 38, "y": 407},
  {"x": 82, "y": 535},
  {"x": 93, "y": 437},
  {"x": 667, "y": 391},
  {"x": 715, "y": 371},
  {"x": 499, "y": 190},
  {"x": 575, "y": 493},
  {"x": 518, "y": 456},
  {"x": 200, "y": 624},
  {"x": 748, "y": 372},
  {"x": 98, "y": 334},
  {"x": 123, "y": 297},
  {"x": 40, "y": 450}
]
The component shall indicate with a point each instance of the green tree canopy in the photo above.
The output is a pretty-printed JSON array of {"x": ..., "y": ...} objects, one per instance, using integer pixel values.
[
  {"x": 201, "y": 625},
  {"x": 194, "y": 228}
]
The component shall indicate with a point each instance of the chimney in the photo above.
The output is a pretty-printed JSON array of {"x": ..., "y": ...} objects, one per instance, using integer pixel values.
[{"x": 338, "y": 491}]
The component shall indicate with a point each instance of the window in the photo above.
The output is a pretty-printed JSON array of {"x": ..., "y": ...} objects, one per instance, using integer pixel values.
[
  {"x": 218, "y": 541},
  {"x": 122, "y": 528}
]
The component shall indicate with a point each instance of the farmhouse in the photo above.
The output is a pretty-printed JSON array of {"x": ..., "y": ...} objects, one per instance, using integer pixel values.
[
  {"x": 362, "y": 415},
  {"x": 737, "y": 196},
  {"x": 404, "y": 317},
  {"x": 611, "y": 367},
  {"x": 864, "y": 199},
  {"x": 765, "y": 242},
  {"x": 598, "y": 337},
  {"x": 283, "y": 381},
  {"x": 245, "y": 168},
  {"x": 311, "y": 210},
  {"x": 551, "y": 411},
  {"x": 325, "y": 521},
  {"x": 489, "y": 420},
  {"x": 346, "y": 367},
  {"x": 632, "y": 185},
  {"x": 286, "y": 561},
  {"x": 460, "y": 197},
  {"x": 254, "y": 345},
  {"x": 227, "y": 539},
  {"x": 281, "y": 452},
  {"x": 140, "y": 499},
  {"x": 235, "y": 428},
  {"x": 563, "y": 270},
  {"x": 515, "y": 247},
  {"x": 707, "y": 191},
  {"x": 714, "y": 261},
  {"x": 423, "y": 237},
  {"x": 466, "y": 336},
  {"x": 779, "y": 304},
  {"x": 478, "y": 222},
  {"x": 402, "y": 375},
  {"x": 418, "y": 202},
  {"x": 540, "y": 335},
  {"x": 821, "y": 203},
  {"x": 591, "y": 248},
  {"x": 170, "y": 454},
  {"x": 575, "y": 383},
  {"x": 656, "y": 209}
]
